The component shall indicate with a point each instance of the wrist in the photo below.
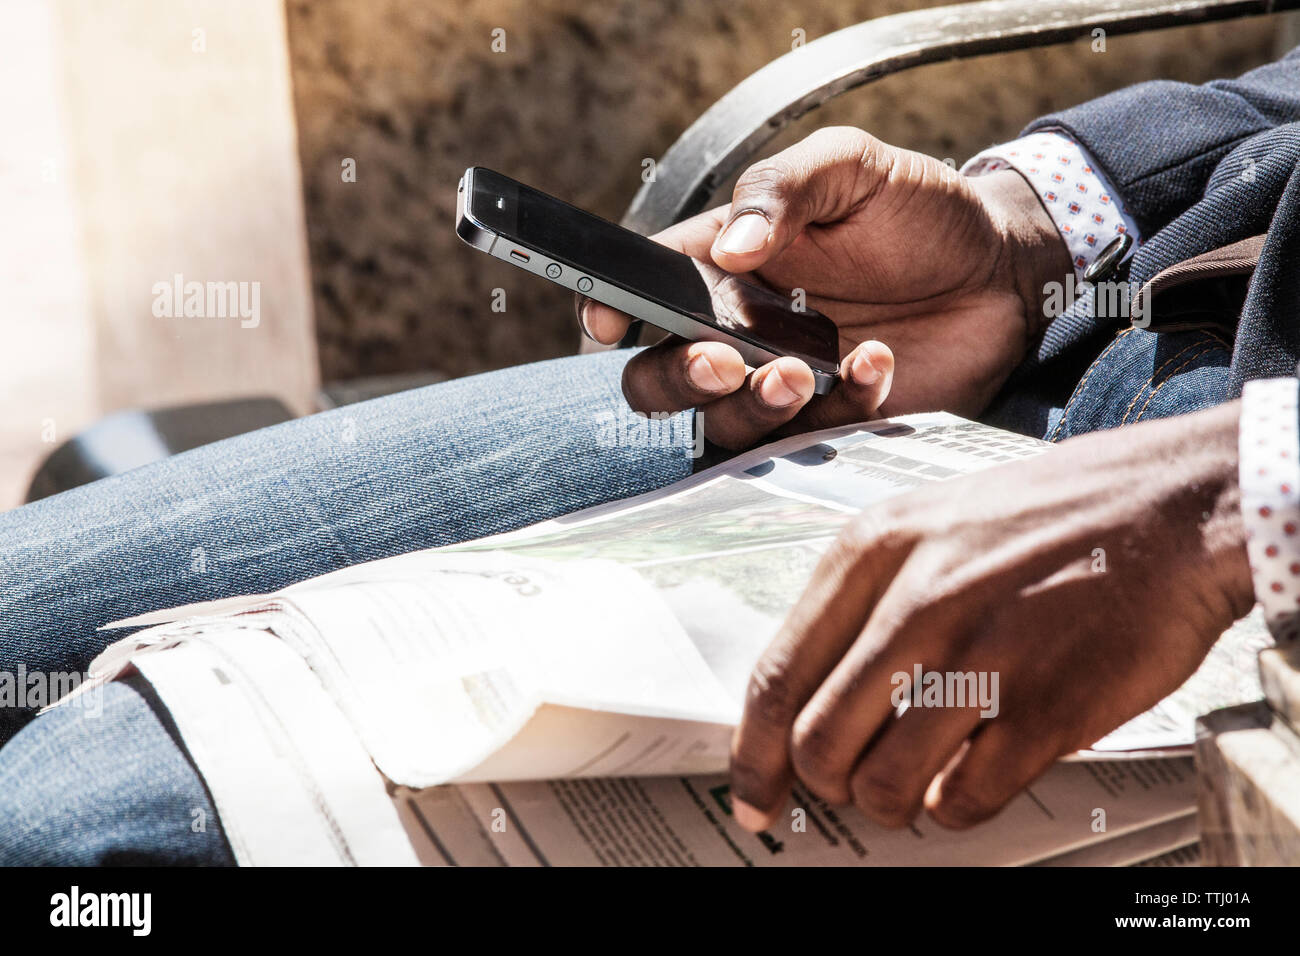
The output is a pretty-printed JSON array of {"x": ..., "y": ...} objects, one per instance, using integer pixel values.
[
  {"x": 1209, "y": 494},
  {"x": 1033, "y": 257}
]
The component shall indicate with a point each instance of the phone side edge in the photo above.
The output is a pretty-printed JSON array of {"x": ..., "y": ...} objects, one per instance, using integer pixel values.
[
  {"x": 470, "y": 230},
  {"x": 475, "y": 234}
]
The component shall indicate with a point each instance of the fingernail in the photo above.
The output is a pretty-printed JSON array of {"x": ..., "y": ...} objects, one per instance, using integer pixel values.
[
  {"x": 582, "y": 303},
  {"x": 864, "y": 373},
  {"x": 748, "y": 232},
  {"x": 749, "y": 818},
  {"x": 774, "y": 390},
  {"x": 700, "y": 371}
]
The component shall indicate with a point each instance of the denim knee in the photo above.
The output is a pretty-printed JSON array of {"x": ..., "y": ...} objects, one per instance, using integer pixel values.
[{"x": 105, "y": 783}]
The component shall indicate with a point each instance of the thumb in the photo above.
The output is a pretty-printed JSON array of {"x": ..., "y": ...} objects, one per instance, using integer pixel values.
[
  {"x": 866, "y": 376},
  {"x": 820, "y": 179}
]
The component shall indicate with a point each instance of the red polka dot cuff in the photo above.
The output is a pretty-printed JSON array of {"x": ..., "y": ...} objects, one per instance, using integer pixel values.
[
  {"x": 1073, "y": 190},
  {"x": 1269, "y": 444}
]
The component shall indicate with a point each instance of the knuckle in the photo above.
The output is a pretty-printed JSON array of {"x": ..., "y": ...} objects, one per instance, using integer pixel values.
[
  {"x": 880, "y": 794},
  {"x": 633, "y": 381},
  {"x": 853, "y": 155},
  {"x": 817, "y": 762},
  {"x": 748, "y": 783},
  {"x": 755, "y": 777},
  {"x": 848, "y": 140},
  {"x": 772, "y": 696},
  {"x": 961, "y": 807},
  {"x": 875, "y": 529},
  {"x": 655, "y": 380},
  {"x": 758, "y": 409},
  {"x": 769, "y": 179}
]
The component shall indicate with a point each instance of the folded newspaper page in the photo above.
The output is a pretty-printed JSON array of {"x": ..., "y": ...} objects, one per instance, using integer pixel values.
[
  {"x": 255, "y": 729},
  {"x": 617, "y": 642}
]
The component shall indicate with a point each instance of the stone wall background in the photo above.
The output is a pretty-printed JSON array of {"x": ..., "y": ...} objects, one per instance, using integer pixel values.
[{"x": 411, "y": 90}]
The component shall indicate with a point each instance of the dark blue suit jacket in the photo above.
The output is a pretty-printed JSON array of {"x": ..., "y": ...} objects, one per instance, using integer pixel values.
[{"x": 1198, "y": 168}]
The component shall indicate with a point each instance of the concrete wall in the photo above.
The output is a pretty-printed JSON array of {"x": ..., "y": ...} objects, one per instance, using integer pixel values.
[
  {"x": 413, "y": 92},
  {"x": 144, "y": 139}
]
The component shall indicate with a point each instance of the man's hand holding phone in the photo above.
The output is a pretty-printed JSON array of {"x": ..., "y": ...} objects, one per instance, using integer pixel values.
[{"x": 913, "y": 261}]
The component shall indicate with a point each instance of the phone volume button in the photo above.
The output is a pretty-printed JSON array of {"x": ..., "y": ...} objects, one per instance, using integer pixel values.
[
  {"x": 554, "y": 270},
  {"x": 584, "y": 284}
]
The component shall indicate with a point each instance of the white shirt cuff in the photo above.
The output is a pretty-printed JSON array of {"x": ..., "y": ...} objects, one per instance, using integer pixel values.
[
  {"x": 1269, "y": 448},
  {"x": 1073, "y": 190}
]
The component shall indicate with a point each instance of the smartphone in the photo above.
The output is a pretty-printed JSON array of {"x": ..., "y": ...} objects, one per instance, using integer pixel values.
[{"x": 627, "y": 271}]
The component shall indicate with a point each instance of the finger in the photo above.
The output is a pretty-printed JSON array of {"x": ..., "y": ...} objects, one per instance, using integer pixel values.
[
  {"x": 866, "y": 377},
  {"x": 1037, "y": 716},
  {"x": 600, "y": 322},
  {"x": 819, "y": 179},
  {"x": 999, "y": 762},
  {"x": 774, "y": 394},
  {"x": 676, "y": 374},
  {"x": 858, "y": 697},
  {"x": 889, "y": 782},
  {"x": 821, "y": 626},
  {"x": 693, "y": 237}
]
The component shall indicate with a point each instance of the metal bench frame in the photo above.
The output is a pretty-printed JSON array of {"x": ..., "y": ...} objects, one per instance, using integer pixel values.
[
  {"x": 732, "y": 131},
  {"x": 730, "y": 134}
]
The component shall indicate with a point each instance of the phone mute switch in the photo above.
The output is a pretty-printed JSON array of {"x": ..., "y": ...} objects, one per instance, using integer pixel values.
[{"x": 516, "y": 254}]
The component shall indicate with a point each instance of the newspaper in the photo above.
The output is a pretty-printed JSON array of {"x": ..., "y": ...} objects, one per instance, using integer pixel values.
[
  {"x": 616, "y": 644},
  {"x": 282, "y": 766}
]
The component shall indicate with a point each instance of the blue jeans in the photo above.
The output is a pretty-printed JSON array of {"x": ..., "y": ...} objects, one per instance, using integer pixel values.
[
  {"x": 1133, "y": 375},
  {"x": 430, "y": 467}
]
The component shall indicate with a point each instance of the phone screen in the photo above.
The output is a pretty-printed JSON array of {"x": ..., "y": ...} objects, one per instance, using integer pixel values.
[{"x": 644, "y": 267}]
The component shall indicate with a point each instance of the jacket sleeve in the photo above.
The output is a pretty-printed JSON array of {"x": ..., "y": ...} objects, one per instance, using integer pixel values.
[{"x": 1158, "y": 142}]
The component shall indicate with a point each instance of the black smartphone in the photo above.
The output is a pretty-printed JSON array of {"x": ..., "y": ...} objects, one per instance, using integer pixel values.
[{"x": 627, "y": 271}]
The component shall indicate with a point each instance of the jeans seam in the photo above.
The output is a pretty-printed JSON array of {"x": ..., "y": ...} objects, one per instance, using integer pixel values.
[
  {"x": 1168, "y": 378},
  {"x": 1199, "y": 343}
]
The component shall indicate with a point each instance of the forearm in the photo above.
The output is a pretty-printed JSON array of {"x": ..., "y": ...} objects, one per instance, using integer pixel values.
[{"x": 1205, "y": 447}]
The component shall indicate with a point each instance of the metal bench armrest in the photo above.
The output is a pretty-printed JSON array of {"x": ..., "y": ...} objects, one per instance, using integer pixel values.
[{"x": 731, "y": 132}]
